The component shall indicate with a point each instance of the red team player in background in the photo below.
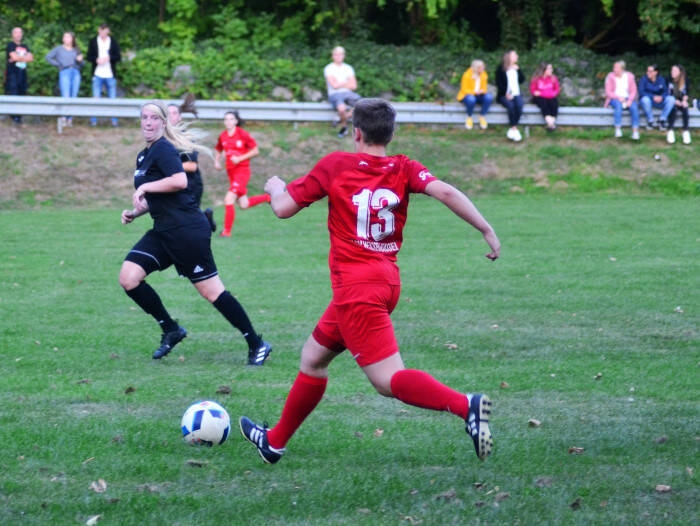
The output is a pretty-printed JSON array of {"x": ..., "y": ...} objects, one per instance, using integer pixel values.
[
  {"x": 238, "y": 147},
  {"x": 368, "y": 195}
]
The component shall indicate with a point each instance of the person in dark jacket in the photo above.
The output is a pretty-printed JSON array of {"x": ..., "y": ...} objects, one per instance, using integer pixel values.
[
  {"x": 509, "y": 77},
  {"x": 103, "y": 53},
  {"x": 653, "y": 93}
]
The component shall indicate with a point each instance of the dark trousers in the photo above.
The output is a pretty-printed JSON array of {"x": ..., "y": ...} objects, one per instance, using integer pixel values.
[
  {"x": 674, "y": 113},
  {"x": 514, "y": 107},
  {"x": 16, "y": 84},
  {"x": 547, "y": 106}
]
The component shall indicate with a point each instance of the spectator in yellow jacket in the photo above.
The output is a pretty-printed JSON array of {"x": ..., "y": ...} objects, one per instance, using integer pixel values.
[{"x": 474, "y": 90}]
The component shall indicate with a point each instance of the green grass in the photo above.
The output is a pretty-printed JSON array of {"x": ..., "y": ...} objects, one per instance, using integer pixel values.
[{"x": 588, "y": 286}]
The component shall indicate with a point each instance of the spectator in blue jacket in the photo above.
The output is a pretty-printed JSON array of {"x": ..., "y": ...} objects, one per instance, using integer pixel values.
[{"x": 653, "y": 93}]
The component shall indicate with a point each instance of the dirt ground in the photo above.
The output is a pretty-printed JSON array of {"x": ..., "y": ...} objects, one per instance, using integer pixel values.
[{"x": 86, "y": 166}]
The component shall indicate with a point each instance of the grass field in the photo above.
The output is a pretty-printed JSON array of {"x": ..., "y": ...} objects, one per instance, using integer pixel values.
[{"x": 589, "y": 323}]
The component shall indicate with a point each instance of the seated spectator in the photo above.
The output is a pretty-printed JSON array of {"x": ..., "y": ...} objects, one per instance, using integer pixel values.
[
  {"x": 621, "y": 94},
  {"x": 508, "y": 80},
  {"x": 653, "y": 93},
  {"x": 544, "y": 88},
  {"x": 678, "y": 89},
  {"x": 341, "y": 84},
  {"x": 474, "y": 90}
]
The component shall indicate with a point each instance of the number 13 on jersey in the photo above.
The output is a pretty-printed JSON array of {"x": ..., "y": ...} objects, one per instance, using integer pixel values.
[{"x": 380, "y": 202}]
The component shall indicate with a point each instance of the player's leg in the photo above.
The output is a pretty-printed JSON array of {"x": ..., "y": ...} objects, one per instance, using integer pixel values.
[
  {"x": 306, "y": 392},
  {"x": 214, "y": 291},
  {"x": 246, "y": 201},
  {"x": 229, "y": 213},
  {"x": 144, "y": 258}
]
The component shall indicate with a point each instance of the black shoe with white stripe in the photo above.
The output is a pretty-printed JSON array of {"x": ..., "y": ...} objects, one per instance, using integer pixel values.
[
  {"x": 259, "y": 355},
  {"x": 257, "y": 435},
  {"x": 477, "y": 424},
  {"x": 168, "y": 341}
]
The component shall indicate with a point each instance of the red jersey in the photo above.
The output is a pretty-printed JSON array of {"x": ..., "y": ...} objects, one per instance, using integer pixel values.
[
  {"x": 367, "y": 210},
  {"x": 237, "y": 144}
]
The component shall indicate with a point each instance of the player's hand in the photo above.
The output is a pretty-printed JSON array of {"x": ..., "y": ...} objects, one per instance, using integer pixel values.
[
  {"x": 139, "y": 200},
  {"x": 127, "y": 216},
  {"x": 235, "y": 159},
  {"x": 494, "y": 243},
  {"x": 274, "y": 185}
]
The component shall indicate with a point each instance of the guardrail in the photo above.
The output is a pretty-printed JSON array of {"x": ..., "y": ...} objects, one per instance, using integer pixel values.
[{"x": 406, "y": 112}]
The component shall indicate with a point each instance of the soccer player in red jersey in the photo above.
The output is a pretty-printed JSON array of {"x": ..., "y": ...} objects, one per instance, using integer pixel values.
[
  {"x": 238, "y": 147},
  {"x": 368, "y": 194}
]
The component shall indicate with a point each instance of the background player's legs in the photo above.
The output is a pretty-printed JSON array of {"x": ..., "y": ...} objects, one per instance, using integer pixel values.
[
  {"x": 229, "y": 213},
  {"x": 246, "y": 201}
]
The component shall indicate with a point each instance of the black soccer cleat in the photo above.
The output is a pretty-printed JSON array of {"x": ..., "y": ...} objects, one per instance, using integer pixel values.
[
  {"x": 259, "y": 355},
  {"x": 257, "y": 435},
  {"x": 168, "y": 341},
  {"x": 477, "y": 424},
  {"x": 209, "y": 213}
]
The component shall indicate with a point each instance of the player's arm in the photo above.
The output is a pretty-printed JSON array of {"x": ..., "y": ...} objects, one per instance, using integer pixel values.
[
  {"x": 281, "y": 202},
  {"x": 172, "y": 183},
  {"x": 462, "y": 206},
  {"x": 247, "y": 155}
]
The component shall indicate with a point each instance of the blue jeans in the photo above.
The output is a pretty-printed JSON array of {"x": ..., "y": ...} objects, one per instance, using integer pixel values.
[
  {"x": 514, "y": 107},
  {"x": 111, "y": 86},
  {"x": 617, "y": 112},
  {"x": 485, "y": 100},
  {"x": 666, "y": 105}
]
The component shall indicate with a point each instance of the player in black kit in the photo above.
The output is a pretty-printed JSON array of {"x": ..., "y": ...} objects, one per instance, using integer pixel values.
[{"x": 180, "y": 236}]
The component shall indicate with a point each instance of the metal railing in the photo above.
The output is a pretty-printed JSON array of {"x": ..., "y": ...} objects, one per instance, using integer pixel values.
[{"x": 451, "y": 113}]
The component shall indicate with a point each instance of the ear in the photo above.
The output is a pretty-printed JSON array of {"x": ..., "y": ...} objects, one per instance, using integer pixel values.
[{"x": 356, "y": 134}]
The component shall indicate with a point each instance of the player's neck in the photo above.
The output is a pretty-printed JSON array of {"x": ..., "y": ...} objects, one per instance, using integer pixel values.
[{"x": 371, "y": 149}]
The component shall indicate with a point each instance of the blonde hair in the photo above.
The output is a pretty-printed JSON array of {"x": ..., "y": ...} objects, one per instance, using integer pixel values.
[
  {"x": 476, "y": 63},
  {"x": 180, "y": 135}
]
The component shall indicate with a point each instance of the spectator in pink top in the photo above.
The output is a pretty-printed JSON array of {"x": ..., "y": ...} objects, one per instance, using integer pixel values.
[
  {"x": 621, "y": 94},
  {"x": 544, "y": 88}
]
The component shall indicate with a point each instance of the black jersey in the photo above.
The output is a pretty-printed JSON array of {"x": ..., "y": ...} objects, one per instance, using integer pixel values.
[
  {"x": 168, "y": 209},
  {"x": 194, "y": 179}
]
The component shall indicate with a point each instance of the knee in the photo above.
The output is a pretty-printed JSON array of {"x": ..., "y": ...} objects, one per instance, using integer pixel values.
[{"x": 128, "y": 280}]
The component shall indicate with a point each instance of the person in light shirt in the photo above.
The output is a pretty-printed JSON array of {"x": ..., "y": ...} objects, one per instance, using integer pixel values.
[
  {"x": 621, "y": 94},
  {"x": 104, "y": 53},
  {"x": 341, "y": 84}
]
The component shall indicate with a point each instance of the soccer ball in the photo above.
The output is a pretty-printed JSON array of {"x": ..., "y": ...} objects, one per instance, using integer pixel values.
[{"x": 205, "y": 423}]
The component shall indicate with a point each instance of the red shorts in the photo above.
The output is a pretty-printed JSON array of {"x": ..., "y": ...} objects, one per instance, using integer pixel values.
[
  {"x": 238, "y": 177},
  {"x": 358, "y": 319}
]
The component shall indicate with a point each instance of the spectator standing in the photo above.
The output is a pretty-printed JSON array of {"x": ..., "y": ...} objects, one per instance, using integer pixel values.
[
  {"x": 180, "y": 235},
  {"x": 544, "y": 88},
  {"x": 678, "y": 89},
  {"x": 342, "y": 85},
  {"x": 104, "y": 53},
  {"x": 509, "y": 77},
  {"x": 368, "y": 195},
  {"x": 473, "y": 90},
  {"x": 621, "y": 94},
  {"x": 69, "y": 61},
  {"x": 190, "y": 160},
  {"x": 237, "y": 147},
  {"x": 653, "y": 93},
  {"x": 18, "y": 56}
]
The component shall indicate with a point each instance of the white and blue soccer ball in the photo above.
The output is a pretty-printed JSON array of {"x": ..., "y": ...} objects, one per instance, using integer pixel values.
[{"x": 205, "y": 423}]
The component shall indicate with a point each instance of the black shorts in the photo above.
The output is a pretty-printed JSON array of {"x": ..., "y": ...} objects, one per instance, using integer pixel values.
[{"x": 189, "y": 249}]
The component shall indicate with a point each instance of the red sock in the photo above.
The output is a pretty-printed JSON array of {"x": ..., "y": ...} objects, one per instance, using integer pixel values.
[
  {"x": 255, "y": 200},
  {"x": 418, "y": 388},
  {"x": 304, "y": 396},
  {"x": 229, "y": 217}
]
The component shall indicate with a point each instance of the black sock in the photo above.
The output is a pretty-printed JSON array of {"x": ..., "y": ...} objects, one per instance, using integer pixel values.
[
  {"x": 234, "y": 312},
  {"x": 145, "y": 297}
]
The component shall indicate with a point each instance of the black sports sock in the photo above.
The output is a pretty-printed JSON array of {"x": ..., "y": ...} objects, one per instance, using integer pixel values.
[
  {"x": 234, "y": 312},
  {"x": 145, "y": 297}
]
